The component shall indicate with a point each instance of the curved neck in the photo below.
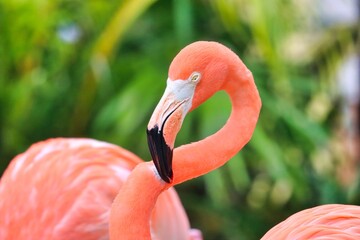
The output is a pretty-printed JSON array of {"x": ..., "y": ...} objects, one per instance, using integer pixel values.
[
  {"x": 131, "y": 210},
  {"x": 196, "y": 159}
]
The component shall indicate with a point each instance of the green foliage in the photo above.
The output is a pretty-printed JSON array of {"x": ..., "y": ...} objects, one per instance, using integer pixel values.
[{"x": 106, "y": 79}]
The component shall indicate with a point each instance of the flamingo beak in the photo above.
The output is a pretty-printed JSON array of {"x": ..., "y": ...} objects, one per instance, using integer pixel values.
[
  {"x": 161, "y": 153},
  {"x": 163, "y": 127}
]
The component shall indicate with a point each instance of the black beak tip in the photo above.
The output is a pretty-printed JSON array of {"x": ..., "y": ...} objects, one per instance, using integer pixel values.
[{"x": 161, "y": 153}]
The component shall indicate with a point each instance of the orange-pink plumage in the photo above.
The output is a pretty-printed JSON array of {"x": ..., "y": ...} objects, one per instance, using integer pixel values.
[
  {"x": 331, "y": 221},
  {"x": 64, "y": 188}
]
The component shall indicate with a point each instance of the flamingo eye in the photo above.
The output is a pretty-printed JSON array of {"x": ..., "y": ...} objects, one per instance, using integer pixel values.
[{"x": 195, "y": 77}]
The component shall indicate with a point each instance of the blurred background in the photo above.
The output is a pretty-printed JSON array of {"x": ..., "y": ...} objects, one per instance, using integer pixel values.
[{"x": 97, "y": 69}]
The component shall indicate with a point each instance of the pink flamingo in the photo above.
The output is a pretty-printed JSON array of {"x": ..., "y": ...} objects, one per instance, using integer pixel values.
[
  {"x": 196, "y": 73},
  {"x": 331, "y": 221},
  {"x": 64, "y": 188}
]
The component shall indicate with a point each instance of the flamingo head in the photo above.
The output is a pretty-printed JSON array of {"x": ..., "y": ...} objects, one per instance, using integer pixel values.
[{"x": 196, "y": 73}]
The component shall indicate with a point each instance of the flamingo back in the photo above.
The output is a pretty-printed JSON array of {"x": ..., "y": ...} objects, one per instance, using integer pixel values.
[
  {"x": 64, "y": 188},
  {"x": 331, "y": 221}
]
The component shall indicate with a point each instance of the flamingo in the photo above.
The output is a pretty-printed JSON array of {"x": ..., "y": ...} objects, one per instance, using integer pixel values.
[
  {"x": 329, "y": 221},
  {"x": 63, "y": 189},
  {"x": 195, "y": 74},
  {"x": 44, "y": 196}
]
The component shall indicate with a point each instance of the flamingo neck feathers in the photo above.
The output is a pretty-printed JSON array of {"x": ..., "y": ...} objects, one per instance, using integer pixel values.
[
  {"x": 132, "y": 208},
  {"x": 196, "y": 159}
]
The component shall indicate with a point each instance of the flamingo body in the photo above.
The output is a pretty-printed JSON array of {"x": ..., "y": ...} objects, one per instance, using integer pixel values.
[
  {"x": 64, "y": 188},
  {"x": 331, "y": 221}
]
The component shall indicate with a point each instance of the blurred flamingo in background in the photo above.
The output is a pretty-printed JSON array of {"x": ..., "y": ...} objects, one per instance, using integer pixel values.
[
  {"x": 331, "y": 221},
  {"x": 64, "y": 188},
  {"x": 57, "y": 193}
]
